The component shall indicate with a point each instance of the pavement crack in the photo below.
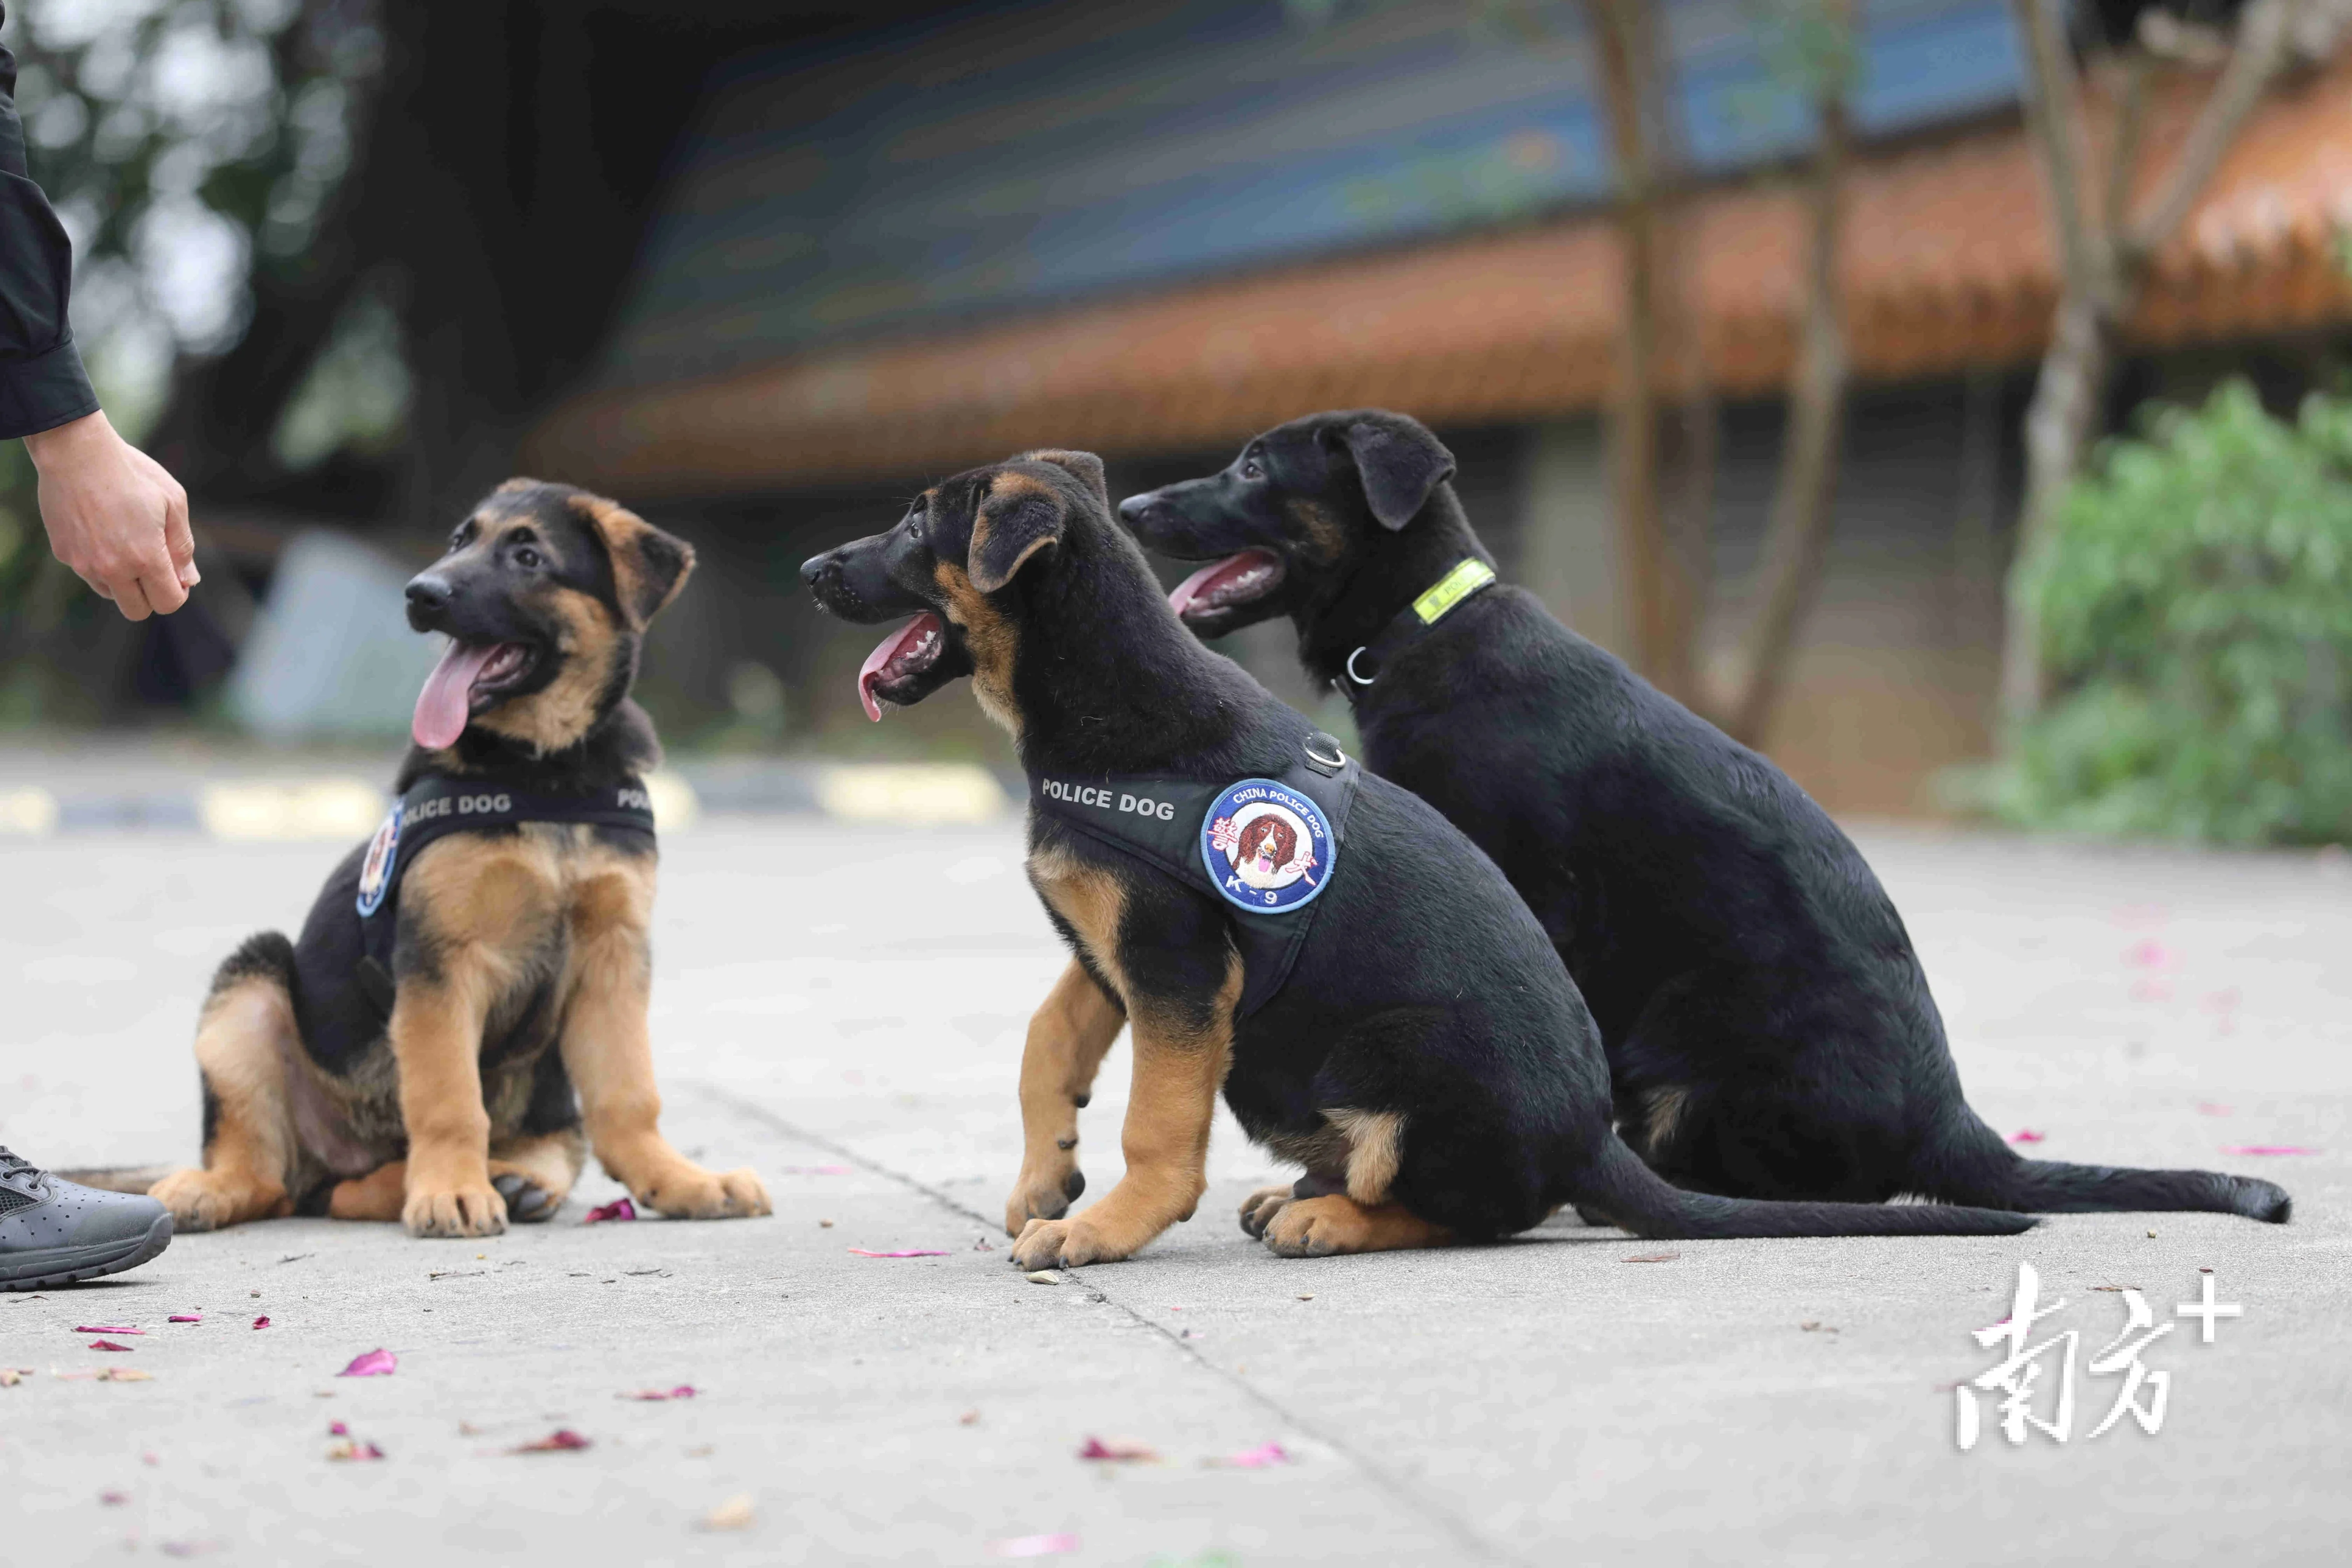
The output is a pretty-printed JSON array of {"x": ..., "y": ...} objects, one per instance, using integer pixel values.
[{"x": 1394, "y": 1484}]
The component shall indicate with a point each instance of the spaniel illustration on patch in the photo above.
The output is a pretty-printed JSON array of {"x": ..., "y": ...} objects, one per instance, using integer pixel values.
[{"x": 1267, "y": 846}]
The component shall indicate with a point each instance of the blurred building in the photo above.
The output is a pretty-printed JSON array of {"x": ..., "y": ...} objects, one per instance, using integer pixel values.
[{"x": 1154, "y": 228}]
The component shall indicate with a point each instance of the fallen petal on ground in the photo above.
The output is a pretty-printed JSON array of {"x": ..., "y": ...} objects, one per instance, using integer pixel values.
[
  {"x": 2027, "y": 1135},
  {"x": 619, "y": 1209},
  {"x": 561, "y": 1440},
  {"x": 683, "y": 1391},
  {"x": 912, "y": 1252},
  {"x": 735, "y": 1513},
  {"x": 1118, "y": 1450},
  {"x": 1033, "y": 1545},
  {"x": 1258, "y": 1458},
  {"x": 369, "y": 1363},
  {"x": 2267, "y": 1149}
]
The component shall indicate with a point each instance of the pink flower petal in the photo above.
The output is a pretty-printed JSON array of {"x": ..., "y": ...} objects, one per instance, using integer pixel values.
[
  {"x": 261, "y": 1322},
  {"x": 619, "y": 1209},
  {"x": 338, "y": 1429},
  {"x": 1118, "y": 1449},
  {"x": 98, "y": 1329},
  {"x": 1033, "y": 1545},
  {"x": 561, "y": 1440},
  {"x": 184, "y": 1318},
  {"x": 916, "y": 1252},
  {"x": 2151, "y": 953},
  {"x": 2209, "y": 1109},
  {"x": 353, "y": 1448},
  {"x": 683, "y": 1391},
  {"x": 372, "y": 1363},
  {"x": 108, "y": 1345},
  {"x": 2027, "y": 1135},
  {"x": 1259, "y": 1457},
  {"x": 113, "y": 1498},
  {"x": 2267, "y": 1149}
]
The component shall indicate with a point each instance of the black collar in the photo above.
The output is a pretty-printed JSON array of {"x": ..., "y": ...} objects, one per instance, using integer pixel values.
[{"x": 1468, "y": 577}]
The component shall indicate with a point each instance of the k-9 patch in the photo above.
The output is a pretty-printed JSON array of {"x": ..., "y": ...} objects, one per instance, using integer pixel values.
[
  {"x": 1268, "y": 848},
  {"x": 382, "y": 854}
]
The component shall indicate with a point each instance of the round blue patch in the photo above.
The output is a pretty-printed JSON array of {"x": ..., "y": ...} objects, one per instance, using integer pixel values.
[
  {"x": 382, "y": 854},
  {"x": 1267, "y": 847}
]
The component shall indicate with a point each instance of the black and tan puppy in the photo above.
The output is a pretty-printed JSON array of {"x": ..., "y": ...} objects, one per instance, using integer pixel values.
[
  {"x": 446, "y": 1086},
  {"x": 1428, "y": 1060},
  {"x": 1770, "y": 1031}
]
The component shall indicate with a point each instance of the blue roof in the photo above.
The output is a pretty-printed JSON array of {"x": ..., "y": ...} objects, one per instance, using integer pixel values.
[{"x": 1025, "y": 155}]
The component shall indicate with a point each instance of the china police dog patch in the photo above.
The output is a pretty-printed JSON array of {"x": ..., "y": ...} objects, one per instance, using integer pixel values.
[
  {"x": 1268, "y": 848},
  {"x": 382, "y": 853}
]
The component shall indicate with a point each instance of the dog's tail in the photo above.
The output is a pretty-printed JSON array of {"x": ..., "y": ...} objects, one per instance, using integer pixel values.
[
  {"x": 1619, "y": 1186},
  {"x": 265, "y": 958},
  {"x": 1969, "y": 1164}
]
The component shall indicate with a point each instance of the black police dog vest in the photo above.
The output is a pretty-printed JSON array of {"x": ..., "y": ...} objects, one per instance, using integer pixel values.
[
  {"x": 1264, "y": 855},
  {"x": 436, "y": 807}
]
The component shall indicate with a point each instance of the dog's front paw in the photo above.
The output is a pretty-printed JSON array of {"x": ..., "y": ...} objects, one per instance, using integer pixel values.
[
  {"x": 1259, "y": 1208},
  {"x": 1063, "y": 1244},
  {"x": 207, "y": 1200},
  {"x": 692, "y": 1193},
  {"x": 463, "y": 1211},
  {"x": 1042, "y": 1196}
]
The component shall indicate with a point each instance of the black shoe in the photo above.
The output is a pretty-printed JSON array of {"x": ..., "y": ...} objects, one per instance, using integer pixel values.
[{"x": 54, "y": 1232}]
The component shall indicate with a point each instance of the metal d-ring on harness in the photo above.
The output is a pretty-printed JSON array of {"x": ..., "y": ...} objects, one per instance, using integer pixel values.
[{"x": 1465, "y": 579}]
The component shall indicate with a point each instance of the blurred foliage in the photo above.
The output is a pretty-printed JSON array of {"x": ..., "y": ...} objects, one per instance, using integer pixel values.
[
  {"x": 2196, "y": 603},
  {"x": 185, "y": 145},
  {"x": 188, "y": 146}
]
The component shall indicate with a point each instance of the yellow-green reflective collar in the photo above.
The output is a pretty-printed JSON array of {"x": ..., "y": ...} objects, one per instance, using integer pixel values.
[{"x": 1451, "y": 589}]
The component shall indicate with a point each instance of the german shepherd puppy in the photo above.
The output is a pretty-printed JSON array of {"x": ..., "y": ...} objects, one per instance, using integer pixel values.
[
  {"x": 1429, "y": 1062},
  {"x": 520, "y": 967},
  {"x": 1770, "y": 1031}
]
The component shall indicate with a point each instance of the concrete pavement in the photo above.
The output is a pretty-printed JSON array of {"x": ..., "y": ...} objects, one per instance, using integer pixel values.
[{"x": 842, "y": 1007}]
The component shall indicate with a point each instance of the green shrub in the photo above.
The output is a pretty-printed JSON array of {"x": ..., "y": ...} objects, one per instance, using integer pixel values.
[{"x": 2196, "y": 603}]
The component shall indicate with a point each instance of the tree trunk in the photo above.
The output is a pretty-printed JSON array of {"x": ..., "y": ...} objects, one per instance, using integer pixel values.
[
  {"x": 1796, "y": 536},
  {"x": 1656, "y": 594},
  {"x": 2069, "y": 399},
  {"x": 2103, "y": 257}
]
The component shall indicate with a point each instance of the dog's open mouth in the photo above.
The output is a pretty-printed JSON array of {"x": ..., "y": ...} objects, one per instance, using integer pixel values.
[
  {"x": 469, "y": 678},
  {"x": 1226, "y": 584},
  {"x": 902, "y": 655}
]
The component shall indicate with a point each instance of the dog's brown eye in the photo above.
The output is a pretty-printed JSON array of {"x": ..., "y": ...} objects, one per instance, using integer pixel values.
[
  {"x": 526, "y": 558},
  {"x": 1249, "y": 470}
]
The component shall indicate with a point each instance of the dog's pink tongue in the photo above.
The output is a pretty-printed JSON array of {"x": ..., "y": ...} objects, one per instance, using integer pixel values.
[
  {"x": 447, "y": 698},
  {"x": 1214, "y": 575},
  {"x": 904, "y": 640}
]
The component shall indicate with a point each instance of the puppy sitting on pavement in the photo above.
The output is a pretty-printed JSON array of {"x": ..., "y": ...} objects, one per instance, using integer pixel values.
[
  {"x": 1770, "y": 1029},
  {"x": 472, "y": 984},
  {"x": 1359, "y": 981}
]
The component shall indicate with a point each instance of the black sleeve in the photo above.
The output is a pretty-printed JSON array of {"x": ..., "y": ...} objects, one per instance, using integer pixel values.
[{"x": 41, "y": 382}]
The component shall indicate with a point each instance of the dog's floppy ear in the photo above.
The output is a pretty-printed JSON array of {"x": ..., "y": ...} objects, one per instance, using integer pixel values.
[
  {"x": 1018, "y": 517},
  {"x": 1086, "y": 466},
  {"x": 648, "y": 566},
  {"x": 1399, "y": 462}
]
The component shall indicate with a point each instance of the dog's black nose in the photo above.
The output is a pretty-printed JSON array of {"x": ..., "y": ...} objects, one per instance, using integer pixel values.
[
  {"x": 814, "y": 568},
  {"x": 428, "y": 593},
  {"x": 1132, "y": 508}
]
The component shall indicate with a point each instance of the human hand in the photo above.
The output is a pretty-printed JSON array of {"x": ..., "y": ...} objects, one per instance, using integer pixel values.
[{"x": 115, "y": 515}]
